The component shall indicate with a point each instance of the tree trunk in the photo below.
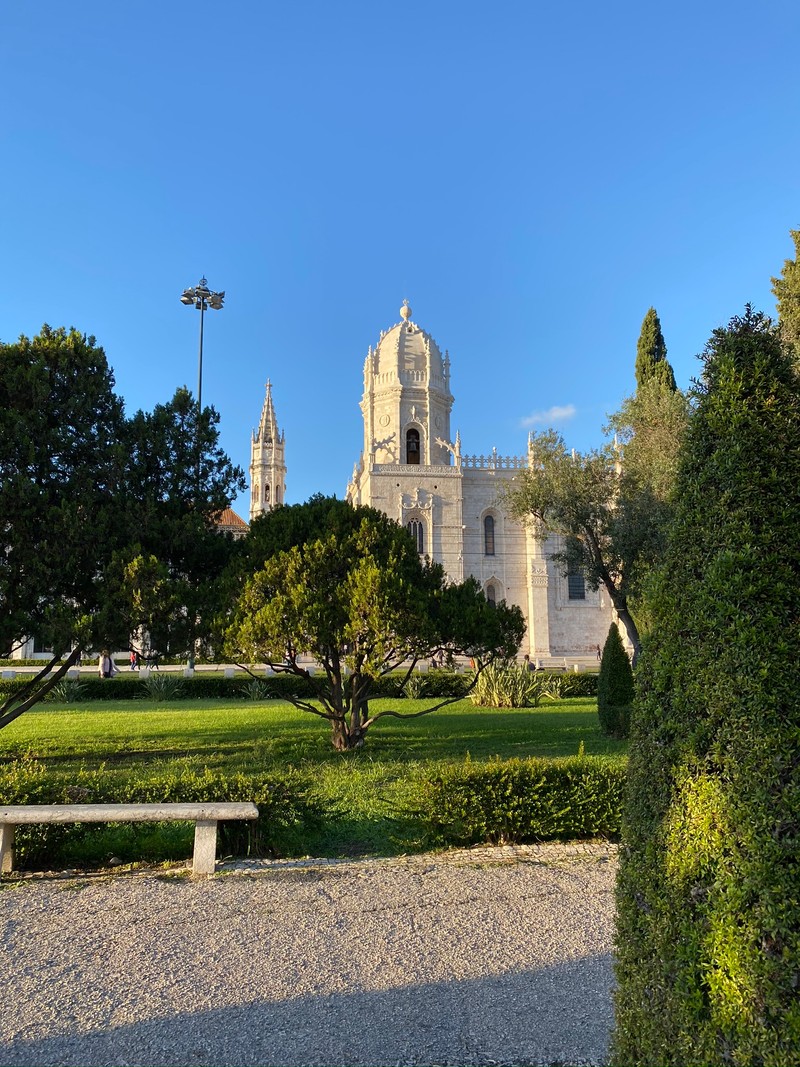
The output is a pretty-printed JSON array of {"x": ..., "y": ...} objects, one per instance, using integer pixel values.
[
  {"x": 621, "y": 607},
  {"x": 345, "y": 736}
]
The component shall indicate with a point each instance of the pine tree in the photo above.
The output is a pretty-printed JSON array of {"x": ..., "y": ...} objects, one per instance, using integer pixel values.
[
  {"x": 708, "y": 933},
  {"x": 651, "y": 354}
]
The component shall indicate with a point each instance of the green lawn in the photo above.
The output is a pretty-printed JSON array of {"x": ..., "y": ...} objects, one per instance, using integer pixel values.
[
  {"x": 250, "y": 736},
  {"x": 363, "y": 790}
]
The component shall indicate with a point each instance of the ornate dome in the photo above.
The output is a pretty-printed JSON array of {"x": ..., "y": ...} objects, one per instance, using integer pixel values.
[{"x": 406, "y": 347}]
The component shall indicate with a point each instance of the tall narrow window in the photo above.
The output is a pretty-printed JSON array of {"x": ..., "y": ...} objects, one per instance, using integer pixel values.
[
  {"x": 415, "y": 528},
  {"x": 488, "y": 535},
  {"x": 412, "y": 446},
  {"x": 576, "y": 586},
  {"x": 491, "y": 595}
]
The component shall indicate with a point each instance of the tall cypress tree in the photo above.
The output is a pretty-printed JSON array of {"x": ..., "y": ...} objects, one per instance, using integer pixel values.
[
  {"x": 708, "y": 938},
  {"x": 614, "y": 686},
  {"x": 787, "y": 293},
  {"x": 651, "y": 354}
]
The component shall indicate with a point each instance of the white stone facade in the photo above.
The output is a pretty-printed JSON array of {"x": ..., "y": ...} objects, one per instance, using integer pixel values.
[{"x": 413, "y": 469}]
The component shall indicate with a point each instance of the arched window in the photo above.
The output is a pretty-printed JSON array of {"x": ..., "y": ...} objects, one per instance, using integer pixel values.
[
  {"x": 266, "y": 494},
  {"x": 416, "y": 529},
  {"x": 412, "y": 446},
  {"x": 576, "y": 586},
  {"x": 488, "y": 535},
  {"x": 491, "y": 595}
]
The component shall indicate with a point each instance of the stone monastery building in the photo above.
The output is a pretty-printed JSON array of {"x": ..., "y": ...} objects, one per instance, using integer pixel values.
[{"x": 413, "y": 469}]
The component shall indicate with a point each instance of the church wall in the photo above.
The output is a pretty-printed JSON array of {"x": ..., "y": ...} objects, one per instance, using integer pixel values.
[
  {"x": 430, "y": 495},
  {"x": 506, "y": 569},
  {"x": 576, "y": 626}
]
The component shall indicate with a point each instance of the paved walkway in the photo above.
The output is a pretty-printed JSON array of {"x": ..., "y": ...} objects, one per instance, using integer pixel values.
[{"x": 486, "y": 956}]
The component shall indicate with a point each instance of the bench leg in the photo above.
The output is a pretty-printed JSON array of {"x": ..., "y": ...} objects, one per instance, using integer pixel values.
[
  {"x": 6, "y": 848},
  {"x": 205, "y": 847}
]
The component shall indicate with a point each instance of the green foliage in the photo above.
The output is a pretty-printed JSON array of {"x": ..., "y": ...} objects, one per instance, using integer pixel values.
[
  {"x": 508, "y": 685},
  {"x": 651, "y": 354},
  {"x": 162, "y": 686},
  {"x": 358, "y": 598},
  {"x": 521, "y": 800},
  {"x": 416, "y": 687},
  {"x": 442, "y": 684},
  {"x": 438, "y": 683},
  {"x": 577, "y": 496},
  {"x": 288, "y": 811},
  {"x": 787, "y": 293},
  {"x": 366, "y": 799},
  {"x": 649, "y": 428},
  {"x": 513, "y": 686},
  {"x": 256, "y": 690},
  {"x": 708, "y": 944},
  {"x": 70, "y": 691},
  {"x": 108, "y": 522},
  {"x": 614, "y": 686},
  {"x": 571, "y": 684},
  {"x": 170, "y": 575}
]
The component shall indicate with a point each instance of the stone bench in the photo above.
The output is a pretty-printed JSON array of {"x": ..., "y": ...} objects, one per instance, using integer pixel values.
[{"x": 205, "y": 817}]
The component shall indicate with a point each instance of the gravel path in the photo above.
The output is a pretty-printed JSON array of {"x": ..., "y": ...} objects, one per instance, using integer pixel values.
[{"x": 484, "y": 956}]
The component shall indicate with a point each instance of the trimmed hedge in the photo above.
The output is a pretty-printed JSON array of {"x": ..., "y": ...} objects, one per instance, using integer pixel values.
[
  {"x": 435, "y": 685},
  {"x": 287, "y": 808},
  {"x": 522, "y": 800}
]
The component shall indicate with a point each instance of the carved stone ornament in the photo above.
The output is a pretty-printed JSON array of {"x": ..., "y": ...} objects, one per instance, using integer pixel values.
[
  {"x": 538, "y": 575},
  {"x": 417, "y": 502}
]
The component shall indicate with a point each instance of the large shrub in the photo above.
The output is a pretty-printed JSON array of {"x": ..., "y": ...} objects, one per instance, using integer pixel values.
[
  {"x": 708, "y": 945},
  {"x": 614, "y": 686}
]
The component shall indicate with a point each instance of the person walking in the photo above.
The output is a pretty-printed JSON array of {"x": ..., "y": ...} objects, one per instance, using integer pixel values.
[{"x": 106, "y": 667}]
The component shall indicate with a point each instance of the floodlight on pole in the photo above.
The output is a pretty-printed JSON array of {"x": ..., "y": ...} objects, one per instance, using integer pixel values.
[{"x": 203, "y": 299}]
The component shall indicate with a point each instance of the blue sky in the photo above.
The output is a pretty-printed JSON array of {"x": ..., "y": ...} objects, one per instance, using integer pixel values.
[{"x": 532, "y": 177}]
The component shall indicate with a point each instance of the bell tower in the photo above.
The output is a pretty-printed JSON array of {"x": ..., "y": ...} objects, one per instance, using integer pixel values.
[
  {"x": 267, "y": 462},
  {"x": 407, "y": 400}
]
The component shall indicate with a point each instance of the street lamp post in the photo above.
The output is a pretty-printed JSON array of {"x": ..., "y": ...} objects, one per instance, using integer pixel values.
[{"x": 203, "y": 299}]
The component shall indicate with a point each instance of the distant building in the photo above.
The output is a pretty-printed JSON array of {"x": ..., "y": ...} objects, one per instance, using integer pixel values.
[
  {"x": 414, "y": 470},
  {"x": 228, "y": 522}
]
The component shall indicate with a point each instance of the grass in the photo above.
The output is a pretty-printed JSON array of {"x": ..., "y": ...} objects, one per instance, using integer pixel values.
[
  {"x": 241, "y": 736},
  {"x": 362, "y": 791}
]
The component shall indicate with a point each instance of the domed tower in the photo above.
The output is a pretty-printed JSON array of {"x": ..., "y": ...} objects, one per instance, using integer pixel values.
[
  {"x": 410, "y": 469},
  {"x": 267, "y": 462},
  {"x": 407, "y": 400}
]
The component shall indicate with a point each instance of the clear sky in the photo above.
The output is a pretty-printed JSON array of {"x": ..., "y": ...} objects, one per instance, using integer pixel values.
[{"x": 531, "y": 176}]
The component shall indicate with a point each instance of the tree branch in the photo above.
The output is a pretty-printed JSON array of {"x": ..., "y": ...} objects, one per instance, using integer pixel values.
[{"x": 8, "y": 712}]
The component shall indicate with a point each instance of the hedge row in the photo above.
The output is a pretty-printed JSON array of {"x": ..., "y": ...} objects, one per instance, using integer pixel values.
[
  {"x": 463, "y": 804},
  {"x": 517, "y": 801},
  {"x": 128, "y": 686},
  {"x": 287, "y": 808}
]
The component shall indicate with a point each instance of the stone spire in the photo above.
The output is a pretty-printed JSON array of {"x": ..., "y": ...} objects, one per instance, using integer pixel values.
[
  {"x": 267, "y": 461},
  {"x": 268, "y": 427}
]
